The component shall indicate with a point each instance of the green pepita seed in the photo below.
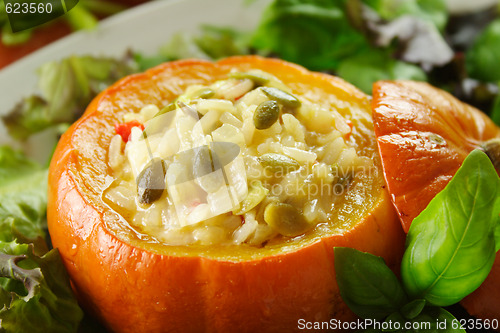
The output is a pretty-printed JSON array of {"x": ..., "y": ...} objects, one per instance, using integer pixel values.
[
  {"x": 266, "y": 114},
  {"x": 258, "y": 79},
  {"x": 151, "y": 181},
  {"x": 169, "y": 107},
  {"x": 203, "y": 170},
  {"x": 256, "y": 193},
  {"x": 286, "y": 219},
  {"x": 281, "y": 97},
  {"x": 204, "y": 93},
  {"x": 278, "y": 163}
]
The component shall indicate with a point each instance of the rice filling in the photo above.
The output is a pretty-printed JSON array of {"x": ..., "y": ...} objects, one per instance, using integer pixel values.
[{"x": 242, "y": 160}]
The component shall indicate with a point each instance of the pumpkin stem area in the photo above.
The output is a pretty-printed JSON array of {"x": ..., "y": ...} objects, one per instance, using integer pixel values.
[{"x": 492, "y": 149}]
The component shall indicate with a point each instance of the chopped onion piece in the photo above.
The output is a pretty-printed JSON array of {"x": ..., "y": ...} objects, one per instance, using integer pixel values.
[
  {"x": 300, "y": 155},
  {"x": 205, "y": 105}
]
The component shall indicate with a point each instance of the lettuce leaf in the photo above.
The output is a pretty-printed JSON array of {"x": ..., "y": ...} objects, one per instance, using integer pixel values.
[
  {"x": 360, "y": 40},
  {"x": 23, "y": 199},
  {"x": 212, "y": 43},
  {"x": 314, "y": 33},
  {"x": 482, "y": 57},
  {"x": 377, "y": 65},
  {"x": 433, "y": 11},
  {"x": 35, "y": 293},
  {"x": 67, "y": 87},
  {"x": 42, "y": 301}
]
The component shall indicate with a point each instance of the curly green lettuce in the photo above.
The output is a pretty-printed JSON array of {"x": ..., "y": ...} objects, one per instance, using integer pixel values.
[{"x": 35, "y": 292}]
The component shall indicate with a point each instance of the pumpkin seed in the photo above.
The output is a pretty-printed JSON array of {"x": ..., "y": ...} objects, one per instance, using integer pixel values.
[
  {"x": 282, "y": 97},
  {"x": 204, "y": 93},
  {"x": 256, "y": 193},
  {"x": 204, "y": 170},
  {"x": 151, "y": 181},
  {"x": 169, "y": 107},
  {"x": 286, "y": 219},
  {"x": 257, "y": 79},
  {"x": 266, "y": 115},
  {"x": 278, "y": 163}
]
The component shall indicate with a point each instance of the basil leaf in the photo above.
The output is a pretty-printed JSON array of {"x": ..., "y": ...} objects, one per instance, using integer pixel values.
[
  {"x": 451, "y": 245},
  {"x": 429, "y": 319},
  {"x": 413, "y": 309},
  {"x": 394, "y": 320},
  {"x": 367, "y": 285},
  {"x": 436, "y": 320},
  {"x": 497, "y": 235}
]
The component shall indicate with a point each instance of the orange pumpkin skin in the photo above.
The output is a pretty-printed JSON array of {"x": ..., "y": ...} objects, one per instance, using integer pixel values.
[
  {"x": 134, "y": 286},
  {"x": 411, "y": 121},
  {"x": 416, "y": 166}
]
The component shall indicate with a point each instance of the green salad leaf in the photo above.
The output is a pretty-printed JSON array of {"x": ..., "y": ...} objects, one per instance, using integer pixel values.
[
  {"x": 314, "y": 33},
  {"x": 362, "y": 41},
  {"x": 67, "y": 88},
  {"x": 482, "y": 57},
  {"x": 407, "y": 30},
  {"x": 23, "y": 199},
  {"x": 35, "y": 293},
  {"x": 434, "y": 11},
  {"x": 212, "y": 43},
  {"x": 42, "y": 301},
  {"x": 451, "y": 244},
  {"x": 495, "y": 112},
  {"x": 375, "y": 65},
  {"x": 182, "y": 46},
  {"x": 217, "y": 42},
  {"x": 367, "y": 285},
  {"x": 80, "y": 18}
]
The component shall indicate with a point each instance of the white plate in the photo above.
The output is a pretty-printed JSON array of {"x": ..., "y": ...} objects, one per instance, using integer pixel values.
[{"x": 143, "y": 28}]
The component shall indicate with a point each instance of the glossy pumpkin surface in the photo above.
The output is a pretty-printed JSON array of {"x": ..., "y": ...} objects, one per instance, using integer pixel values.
[
  {"x": 423, "y": 135},
  {"x": 135, "y": 284}
]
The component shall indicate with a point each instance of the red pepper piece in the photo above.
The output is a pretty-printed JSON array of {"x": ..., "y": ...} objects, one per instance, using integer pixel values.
[{"x": 124, "y": 129}]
